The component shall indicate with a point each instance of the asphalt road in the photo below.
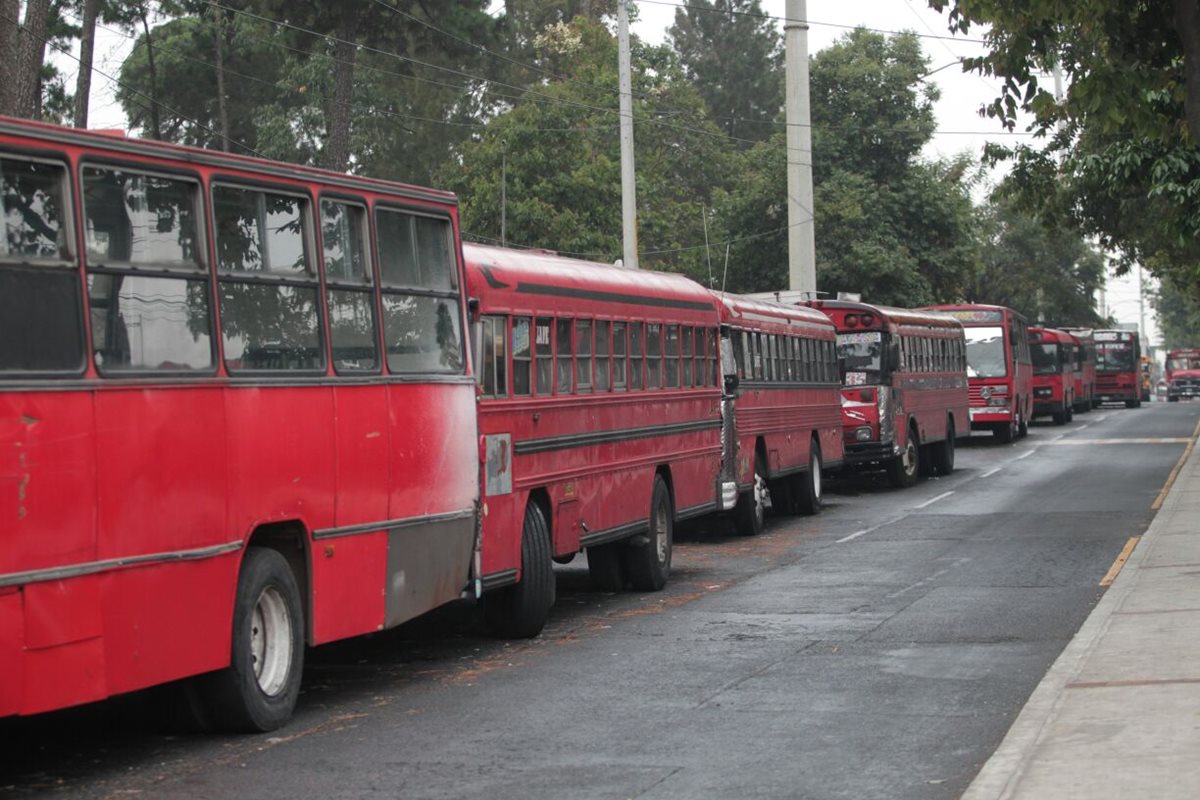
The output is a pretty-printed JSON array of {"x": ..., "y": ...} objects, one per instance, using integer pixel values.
[{"x": 880, "y": 650}]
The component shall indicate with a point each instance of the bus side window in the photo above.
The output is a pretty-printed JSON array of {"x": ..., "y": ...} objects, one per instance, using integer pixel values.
[
  {"x": 620, "y": 351},
  {"x": 688, "y": 342},
  {"x": 494, "y": 362},
  {"x": 671, "y": 357},
  {"x": 710, "y": 350},
  {"x": 636, "y": 354},
  {"x": 522, "y": 356},
  {"x": 654, "y": 351},
  {"x": 603, "y": 380},
  {"x": 543, "y": 349},
  {"x": 564, "y": 355},
  {"x": 147, "y": 277},
  {"x": 41, "y": 301},
  {"x": 353, "y": 335},
  {"x": 583, "y": 355}
]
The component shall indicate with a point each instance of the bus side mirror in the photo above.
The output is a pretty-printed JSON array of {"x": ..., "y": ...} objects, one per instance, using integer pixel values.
[
  {"x": 893, "y": 353},
  {"x": 731, "y": 384},
  {"x": 842, "y": 367}
]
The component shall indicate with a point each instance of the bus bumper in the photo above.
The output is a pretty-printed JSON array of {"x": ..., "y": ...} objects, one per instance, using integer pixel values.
[{"x": 867, "y": 452}]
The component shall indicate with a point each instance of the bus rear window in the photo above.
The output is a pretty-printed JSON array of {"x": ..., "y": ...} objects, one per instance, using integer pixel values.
[{"x": 1045, "y": 358}]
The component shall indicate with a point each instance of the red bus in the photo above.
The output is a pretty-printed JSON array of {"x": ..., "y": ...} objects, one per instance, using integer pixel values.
[
  {"x": 1085, "y": 369},
  {"x": 597, "y": 383},
  {"x": 786, "y": 422},
  {"x": 999, "y": 372},
  {"x": 1054, "y": 356},
  {"x": 1182, "y": 374},
  {"x": 1118, "y": 367},
  {"x": 904, "y": 387},
  {"x": 237, "y": 418}
]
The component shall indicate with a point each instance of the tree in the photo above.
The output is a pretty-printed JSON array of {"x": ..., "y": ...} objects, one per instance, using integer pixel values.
[
  {"x": 31, "y": 49},
  {"x": 895, "y": 228},
  {"x": 1124, "y": 165},
  {"x": 733, "y": 55},
  {"x": 1048, "y": 275},
  {"x": 560, "y": 149},
  {"x": 1178, "y": 316}
]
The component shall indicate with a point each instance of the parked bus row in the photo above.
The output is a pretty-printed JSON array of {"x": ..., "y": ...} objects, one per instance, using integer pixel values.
[{"x": 249, "y": 407}]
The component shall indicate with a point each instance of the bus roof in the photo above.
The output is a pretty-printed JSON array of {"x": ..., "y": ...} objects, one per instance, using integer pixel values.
[
  {"x": 540, "y": 276},
  {"x": 893, "y": 314},
  {"x": 1038, "y": 333},
  {"x": 115, "y": 145},
  {"x": 976, "y": 313},
  {"x": 754, "y": 312}
]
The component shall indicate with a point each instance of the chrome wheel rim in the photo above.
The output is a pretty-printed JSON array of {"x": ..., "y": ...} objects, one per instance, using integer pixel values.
[
  {"x": 760, "y": 495},
  {"x": 271, "y": 641},
  {"x": 910, "y": 458},
  {"x": 814, "y": 469}
]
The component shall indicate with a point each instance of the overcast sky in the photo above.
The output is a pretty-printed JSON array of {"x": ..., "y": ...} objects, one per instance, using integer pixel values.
[{"x": 960, "y": 127}]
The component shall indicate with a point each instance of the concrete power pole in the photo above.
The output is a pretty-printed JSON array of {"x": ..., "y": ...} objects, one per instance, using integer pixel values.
[
  {"x": 628, "y": 181},
  {"x": 802, "y": 248}
]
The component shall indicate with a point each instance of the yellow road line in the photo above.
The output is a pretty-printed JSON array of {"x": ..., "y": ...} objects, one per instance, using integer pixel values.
[
  {"x": 1115, "y": 569},
  {"x": 1187, "y": 451}
]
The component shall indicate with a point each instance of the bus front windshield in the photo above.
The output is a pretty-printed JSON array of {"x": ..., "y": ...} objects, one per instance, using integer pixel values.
[
  {"x": 985, "y": 352},
  {"x": 861, "y": 356},
  {"x": 1114, "y": 357},
  {"x": 1045, "y": 358}
]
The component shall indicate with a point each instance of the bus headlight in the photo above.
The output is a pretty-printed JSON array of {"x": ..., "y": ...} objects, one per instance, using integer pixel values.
[
  {"x": 998, "y": 401},
  {"x": 863, "y": 434}
]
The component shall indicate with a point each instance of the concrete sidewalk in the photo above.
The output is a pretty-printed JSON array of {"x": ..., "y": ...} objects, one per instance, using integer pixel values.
[{"x": 1118, "y": 714}]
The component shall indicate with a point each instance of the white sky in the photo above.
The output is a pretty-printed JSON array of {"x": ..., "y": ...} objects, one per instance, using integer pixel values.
[{"x": 960, "y": 128}]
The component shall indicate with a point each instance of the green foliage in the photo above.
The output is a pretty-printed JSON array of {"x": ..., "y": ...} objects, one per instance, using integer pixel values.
[
  {"x": 1178, "y": 310},
  {"x": 735, "y": 60},
  {"x": 1045, "y": 273},
  {"x": 559, "y": 147},
  {"x": 897, "y": 229},
  {"x": 1130, "y": 169}
]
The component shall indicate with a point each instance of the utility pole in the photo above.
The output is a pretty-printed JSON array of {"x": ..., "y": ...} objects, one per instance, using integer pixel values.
[
  {"x": 802, "y": 248},
  {"x": 1142, "y": 308},
  {"x": 628, "y": 182}
]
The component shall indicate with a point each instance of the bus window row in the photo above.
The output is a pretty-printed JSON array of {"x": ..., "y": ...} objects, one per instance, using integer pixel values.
[
  {"x": 782, "y": 358},
  {"x": 560, "y": 355},
  {"x": 280, "y": 295},
  {"x": 932, "y": 354}
]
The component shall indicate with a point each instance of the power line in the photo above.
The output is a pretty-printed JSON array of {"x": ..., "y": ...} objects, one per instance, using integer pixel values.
[{"x": 753, "y": 15}]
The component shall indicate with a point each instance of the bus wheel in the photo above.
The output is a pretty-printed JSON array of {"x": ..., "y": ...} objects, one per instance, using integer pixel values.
[
  {"x": 520, "y": 611},
  {"x": 649, "y": 563},
  {"x": 811, "y": 494},
  {"x": 1022, "y": 427},
  {"x": 752, "y": 505},
  {"x": 605, "y": 567},
  {"x": 904, "y": 468},
  {"x": 943, "y": 452},
  {"x": 258, "y": 690},
  {"x": 1005, "y": 432},
  {"x": 1060, "y": 417},
  {"x": 1133, "y": 403}
]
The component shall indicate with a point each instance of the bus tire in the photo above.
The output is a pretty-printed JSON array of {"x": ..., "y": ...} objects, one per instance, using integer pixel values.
[
  {"x": 751, "y": 506},
  {"x": 649, "y": 563},
  {"x": 1022, "y": 426},
  {"x": 1060, "y": 417},
  {"x": 904, "y": 469},
  {"x": 943, "y": 453},
  {"x": 1005, "y": 432},
  {"x": 605, "y": 567},
  {"x": 810, "y": 493},
  {"x": 257, "y": 691},
  {"x": 1133, "y": 403},
  {"x": 520, "y": 611}
]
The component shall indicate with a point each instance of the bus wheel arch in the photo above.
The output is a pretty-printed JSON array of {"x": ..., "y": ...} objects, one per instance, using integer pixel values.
[
  {"x": 750, "y": 511},
  {"x": 257, "y": 692},
  {"x": 905, "y": 468},
  {"x": 647, "y": 559}
]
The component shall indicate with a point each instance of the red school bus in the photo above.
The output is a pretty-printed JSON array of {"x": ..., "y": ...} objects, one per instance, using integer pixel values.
[
  {"x": 904, "y": 387},
  {"x": 999, "y": 372},
  {"x": 600, "y": 421},
  {"x": 785, "y": 425},
  {"x": 1118, "y": 367},
  {"x": 1054, "y": 356},
  {"x": 237, "y": 417},
  {"x": 1183, "y": 359}
]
